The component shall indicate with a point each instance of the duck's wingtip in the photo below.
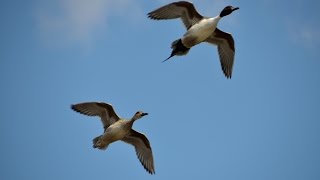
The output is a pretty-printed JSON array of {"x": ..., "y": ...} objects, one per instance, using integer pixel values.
[{"x": 228, "y": 76}]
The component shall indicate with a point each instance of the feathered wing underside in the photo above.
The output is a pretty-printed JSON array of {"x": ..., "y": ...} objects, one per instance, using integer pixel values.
[
  {"x": 143, "y": 149},
  {"x": 226, "y": 50},
  {"x": 103, "y": 110},
  {"x": 182, "y": 9}
]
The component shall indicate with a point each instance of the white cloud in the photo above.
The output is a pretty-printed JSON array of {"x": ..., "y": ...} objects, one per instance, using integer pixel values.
[
  {"x": 302, "y": 25},
  {"x": 307, "y": 36},
  {"x": 304, "y": 34},
  {"x": 69, "y": 22},
  {"x": 64, "y": 23}
]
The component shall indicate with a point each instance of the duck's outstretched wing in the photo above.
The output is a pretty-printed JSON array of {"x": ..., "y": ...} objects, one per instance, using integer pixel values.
[
  {"x": 182, "y": 9},
  {"x": 103, "y": 110},
  {"x": 143, "y": 149},
  {"x": 226, "y": 50}
]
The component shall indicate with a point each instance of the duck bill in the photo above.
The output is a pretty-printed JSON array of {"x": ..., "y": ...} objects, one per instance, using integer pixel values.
[
  {"x": 236, "y": 8},
  {"x": 144, "y": 114}
]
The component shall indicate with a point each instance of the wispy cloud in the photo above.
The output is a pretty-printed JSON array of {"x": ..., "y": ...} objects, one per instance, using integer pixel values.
[
  {"x": 303, "y": 27},
  {"x": 71, "y": 22},
  {"x": 64, "y": 23},
  {"x": 306, "y": 35}
]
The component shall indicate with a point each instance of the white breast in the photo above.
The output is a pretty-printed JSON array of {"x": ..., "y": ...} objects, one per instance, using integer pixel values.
[{"x": 200, "y": 31}]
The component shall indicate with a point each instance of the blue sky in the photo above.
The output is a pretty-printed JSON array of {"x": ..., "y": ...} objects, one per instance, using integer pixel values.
[{"x": 262, "y": 124}]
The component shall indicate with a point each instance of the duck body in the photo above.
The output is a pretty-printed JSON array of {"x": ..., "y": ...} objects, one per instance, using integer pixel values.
[
  {"x": 200, "y": 31},
  {"x": 116, "y": 131}
]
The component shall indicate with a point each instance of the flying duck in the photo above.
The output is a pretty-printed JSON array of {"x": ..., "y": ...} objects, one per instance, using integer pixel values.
[
  {"x": 116, "y": 128},
  {"x": 199, "y": 29}
]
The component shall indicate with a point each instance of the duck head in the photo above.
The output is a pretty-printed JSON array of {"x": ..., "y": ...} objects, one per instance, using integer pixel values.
[
  {"x": 228, "y": 10},
  {"x": 139, "y": 115}
]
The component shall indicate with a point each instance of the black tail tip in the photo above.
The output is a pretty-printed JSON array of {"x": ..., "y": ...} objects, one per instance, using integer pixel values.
[{"x": 168, "y": 58}]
